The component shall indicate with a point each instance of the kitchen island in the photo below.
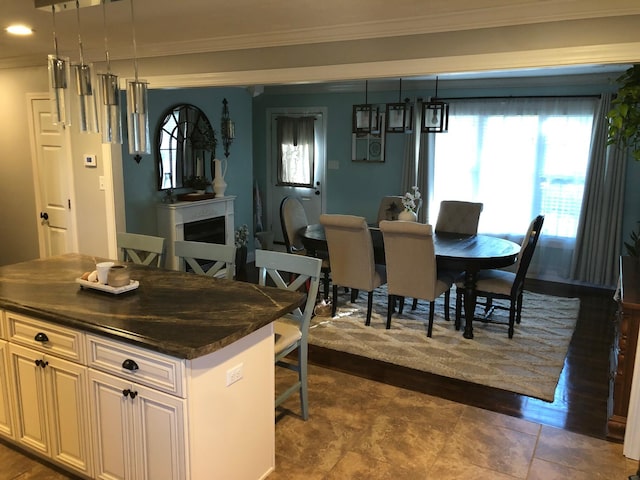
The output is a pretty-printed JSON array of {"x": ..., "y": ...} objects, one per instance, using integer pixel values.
[{"x": 173, "y": 379}]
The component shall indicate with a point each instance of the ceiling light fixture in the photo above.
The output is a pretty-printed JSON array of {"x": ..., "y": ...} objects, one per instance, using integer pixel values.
[
  {"x": 20, "y": 30},
  {"x": 400, "y": 115},
  {"x": 86, "y": 100},
  {"x": 109, "y": 95},
  {"x": 59, "y": 73},
  {"x": 435, "y": 115},
  {"x": 137, "y": 107},
  {"x": 366, "y": 117}
]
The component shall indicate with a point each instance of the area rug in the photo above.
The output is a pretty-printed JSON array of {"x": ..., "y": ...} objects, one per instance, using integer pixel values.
[{"x": 530, "y": 363}]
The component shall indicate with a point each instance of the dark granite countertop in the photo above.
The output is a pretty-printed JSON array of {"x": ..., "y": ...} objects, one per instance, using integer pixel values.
[{"x": 180, "y": 314}]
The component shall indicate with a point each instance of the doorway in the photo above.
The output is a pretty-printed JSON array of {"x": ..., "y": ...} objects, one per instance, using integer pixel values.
[
  {"x": 53, "y": 177},
  {"x": 310, "y": 191}
]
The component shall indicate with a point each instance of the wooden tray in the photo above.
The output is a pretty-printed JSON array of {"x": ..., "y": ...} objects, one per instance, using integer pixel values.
[
  {"x": 193, "y": 197},
  {"x": 133, "y": 284}
]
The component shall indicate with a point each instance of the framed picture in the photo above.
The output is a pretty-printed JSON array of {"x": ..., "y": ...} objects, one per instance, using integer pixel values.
[{"x": 369, "y": 147}]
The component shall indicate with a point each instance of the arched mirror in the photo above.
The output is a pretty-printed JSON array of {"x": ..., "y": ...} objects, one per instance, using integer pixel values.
[{"x": 185, "y": 141}]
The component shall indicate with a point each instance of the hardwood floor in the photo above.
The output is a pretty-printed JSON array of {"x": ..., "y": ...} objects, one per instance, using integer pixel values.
[{"x": 581, "y": 397}]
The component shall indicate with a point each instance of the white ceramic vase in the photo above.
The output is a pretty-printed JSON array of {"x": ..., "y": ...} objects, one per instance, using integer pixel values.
[
  {"x": 408, "y": 216},
  {"x": 219, "y": 185}
]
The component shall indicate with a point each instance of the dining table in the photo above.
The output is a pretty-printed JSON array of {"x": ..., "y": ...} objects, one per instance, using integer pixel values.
[{"x": 454, "y": 251}]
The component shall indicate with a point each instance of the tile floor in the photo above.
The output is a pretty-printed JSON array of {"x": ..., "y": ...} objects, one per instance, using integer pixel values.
[{"x": 361, "y": 429}]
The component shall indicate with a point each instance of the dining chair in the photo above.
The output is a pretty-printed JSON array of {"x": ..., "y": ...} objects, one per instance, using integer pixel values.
[
  {"x": 352, "y": 260},
  {"x": 208, "y": 258},
  {"x": 293, "y": 218},
  {"x": 501, "y": 284},
  {"x": 411, "y": 266},
  {"x": 458, "y": 217},
  {"x": 141, "y": 249},
  {"x": 292, "y": 330}
]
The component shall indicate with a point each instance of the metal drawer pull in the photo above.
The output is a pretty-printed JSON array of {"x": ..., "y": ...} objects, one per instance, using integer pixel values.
[
  {"x": 132, "y": 394},
  {"x": 41, "y": 363},
  {"x": 129, "y": 364},
  {"x": 41, "y": 337}
]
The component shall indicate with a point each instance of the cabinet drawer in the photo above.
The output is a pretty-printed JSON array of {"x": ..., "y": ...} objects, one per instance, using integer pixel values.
[
  {"x": 51, "y": 338},
  {"x": 148, "y": 368}
]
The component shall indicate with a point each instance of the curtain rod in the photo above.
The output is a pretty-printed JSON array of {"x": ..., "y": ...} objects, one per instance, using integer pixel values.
[{"x": 520, "y": 96}]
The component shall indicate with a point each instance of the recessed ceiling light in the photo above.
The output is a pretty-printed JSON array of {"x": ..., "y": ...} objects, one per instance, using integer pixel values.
[{"x": 19, "y": 30}]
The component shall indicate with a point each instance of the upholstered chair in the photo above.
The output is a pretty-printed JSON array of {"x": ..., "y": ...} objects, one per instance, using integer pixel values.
[
  {"x": 389, "y": 208},
  {"x": 411, "y": 266},
  {"x": 501, "y": 284},
  {"x": 142, "y": 249},
  {"x": 293, "y": 218},
  {"x": 351, "y": 255},
  {"x": 458, "y": 217},
  {"x": 291, "y": 331},
  {"x": 212, "y": 259}
]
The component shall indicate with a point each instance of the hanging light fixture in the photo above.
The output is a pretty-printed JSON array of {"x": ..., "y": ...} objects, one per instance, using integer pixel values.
[
  {"x": 86, "y": 100},
  {"x": 110, "y": 117},
  {"x": 399, "y": 116},
  {"x": 435, "y": 115},
  {"x": 366, "y": 117},
  {"x": 59, "y": 73},
  {"x": 137, "y": 107}
]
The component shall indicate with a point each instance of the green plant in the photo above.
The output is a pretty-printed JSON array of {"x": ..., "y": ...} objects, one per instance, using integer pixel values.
[
  {"x": 624, "y": 116},
  {"x": 633, "y": 247},
  {"x": 199, "y": 183}
]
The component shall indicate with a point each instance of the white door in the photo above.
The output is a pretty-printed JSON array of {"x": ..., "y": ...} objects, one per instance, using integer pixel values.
[
  {"x": 312, "y": 196},
  {"x": 54, "y": 179}
]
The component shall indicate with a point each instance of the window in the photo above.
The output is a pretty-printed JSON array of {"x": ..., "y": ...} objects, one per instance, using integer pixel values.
[
  {"x": 520, "y": 157},
  {"x": 296, "y": 142}
]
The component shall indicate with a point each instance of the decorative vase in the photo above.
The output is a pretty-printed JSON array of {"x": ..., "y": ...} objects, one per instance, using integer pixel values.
[
  {"x": 219, "y": 185},
  {"x": 408, "y": 216}
]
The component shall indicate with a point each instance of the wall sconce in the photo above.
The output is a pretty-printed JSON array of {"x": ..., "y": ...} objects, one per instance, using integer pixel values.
[
  {"x": 400, "y": 115},
  {"x": 435, "y": 115},
  {"x": 227, "y": 128},
  {"x": 137, "y": 107},
  {"x": 59, "y": 73},
  {"x": 366, "y": 117}
]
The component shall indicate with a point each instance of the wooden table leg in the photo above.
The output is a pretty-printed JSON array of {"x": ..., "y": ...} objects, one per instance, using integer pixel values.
[{"x": 469, "y": 302}]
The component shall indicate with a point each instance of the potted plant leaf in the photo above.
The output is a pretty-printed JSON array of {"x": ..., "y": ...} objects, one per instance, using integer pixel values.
[
  {"x": 199, "y": 184},
  {"x": 624, "y": 116}
]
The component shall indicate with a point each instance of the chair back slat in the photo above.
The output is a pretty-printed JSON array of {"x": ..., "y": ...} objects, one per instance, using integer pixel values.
[
  {"x": 141, "y": 249},
  {"x": 292, "y": 218},
  {"x": 214, "y": 256},
  {"x": 527, "y": 250}
]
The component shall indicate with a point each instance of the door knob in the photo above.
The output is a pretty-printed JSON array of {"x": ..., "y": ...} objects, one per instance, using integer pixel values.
[{"x": 44, "y": 215}]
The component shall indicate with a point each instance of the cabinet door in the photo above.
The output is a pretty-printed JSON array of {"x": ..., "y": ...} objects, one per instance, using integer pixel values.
[
  {"x": 68, "y": 413},
  {"x": 160, "y": 435},
  {"x": 112, "y": 427},
  {"x": 29, "y": 395},
  {"x": 6, "y": 417}
]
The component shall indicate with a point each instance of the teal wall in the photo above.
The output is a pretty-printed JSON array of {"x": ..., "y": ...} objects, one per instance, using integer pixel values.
[
  {"x": 140, "y": 180},
  {"x": 354, "y": 187}
]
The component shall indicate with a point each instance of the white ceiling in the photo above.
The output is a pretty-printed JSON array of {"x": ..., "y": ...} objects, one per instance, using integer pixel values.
[{"x": 190, "y": 26}]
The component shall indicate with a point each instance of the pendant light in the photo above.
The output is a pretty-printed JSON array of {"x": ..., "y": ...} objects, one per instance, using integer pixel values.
[
  {"x": 137, "y": 107},
  {"x": 435, "y": 115},
  {"x": 366, "y": 117},
  {"x": 399, "y": 118},
  {"x": 111, "y": 120},
  {"x": 59, "y": 73},
  {"x": 86, "y": 100}
]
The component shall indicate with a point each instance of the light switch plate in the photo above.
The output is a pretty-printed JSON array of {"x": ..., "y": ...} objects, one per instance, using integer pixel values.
[{"x": 90, "y": 161}]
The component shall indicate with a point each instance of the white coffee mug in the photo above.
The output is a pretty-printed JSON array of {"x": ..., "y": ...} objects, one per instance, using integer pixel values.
[{"x": 103, "y": 271}]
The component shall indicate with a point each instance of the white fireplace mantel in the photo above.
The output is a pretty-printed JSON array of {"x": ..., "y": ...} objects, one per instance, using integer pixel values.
[{"x": 172, "y": 218}]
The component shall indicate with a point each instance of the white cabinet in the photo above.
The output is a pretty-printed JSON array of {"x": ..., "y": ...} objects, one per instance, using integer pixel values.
[
  {"x": 138, "y": 432},
  {"x": 51, "y": 407},
  {"x": 6, "y": 417}
]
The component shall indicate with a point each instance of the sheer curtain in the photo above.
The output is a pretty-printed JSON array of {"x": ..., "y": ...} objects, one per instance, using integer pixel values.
[
  {"x": 296, "y": 141},
  {"x": 414, "y": 167},
  {"x": 600, "y": 228},
  {"x": 520, "y": 157}
]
